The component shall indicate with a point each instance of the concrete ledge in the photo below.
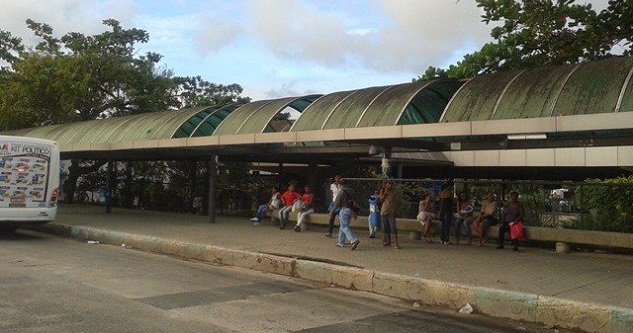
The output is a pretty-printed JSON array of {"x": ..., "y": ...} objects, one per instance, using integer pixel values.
[
  {"x": 587, "y": 317},
  {"x": 492, "y": 302}
]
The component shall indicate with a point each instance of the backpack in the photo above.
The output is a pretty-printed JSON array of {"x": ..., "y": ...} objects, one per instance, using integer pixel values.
[{"x": 351, "y": 203}]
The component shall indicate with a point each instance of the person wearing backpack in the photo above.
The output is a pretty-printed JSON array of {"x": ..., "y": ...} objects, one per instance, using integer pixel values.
[{"x": 347, "y": 202}]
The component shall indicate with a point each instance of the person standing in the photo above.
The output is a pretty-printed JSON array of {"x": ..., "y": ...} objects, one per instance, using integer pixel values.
[
  {"x": 389, "y": 200},
  {"x": 288, "y": 199},
  {"x": 346, "y": 202},
  {"x": 306, "y": 207},
  {"x": 512, "y": 213},
  {"x": 334, "y": 187},
  {"x": 374, "y": 213},
  {"x": 446, "y": 212}
]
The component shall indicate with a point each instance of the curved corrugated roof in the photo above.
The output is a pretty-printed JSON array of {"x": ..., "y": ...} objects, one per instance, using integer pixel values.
[
  {"x": 409, "y": 103},
  {"x": 255, "y": 117},
  {"x": 147, "y": 126},
  {"x": 205, "y": 122},
  {"x": 588, "y": 88}
]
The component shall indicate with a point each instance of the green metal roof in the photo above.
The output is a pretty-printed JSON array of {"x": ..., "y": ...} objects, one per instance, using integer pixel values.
[
  {"x": 588, "y": 88},
  {"x": 255, "y": 117},
  {"x": 409, "y": 103},
  {"x": 147, "y": 126},
  {"x": 205, "y": 122}
]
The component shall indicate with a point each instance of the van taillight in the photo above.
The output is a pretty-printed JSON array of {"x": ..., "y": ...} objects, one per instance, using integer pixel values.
[{"x": 55, "y": 195}]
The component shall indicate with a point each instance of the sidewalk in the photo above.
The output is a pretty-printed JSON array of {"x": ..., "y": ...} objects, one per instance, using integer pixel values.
[{"x": 598, "y": 280}]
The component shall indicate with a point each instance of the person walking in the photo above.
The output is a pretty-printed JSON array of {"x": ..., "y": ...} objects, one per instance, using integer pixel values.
[
  {"x": 306, "y": 207},
  {"x": 446, "y": 212},
  {"x": 288, "y": 199},
  {"x": 389, "y": 200},
  {"x": 334, "y": 187},
  {"x": 347, "y": 203}
]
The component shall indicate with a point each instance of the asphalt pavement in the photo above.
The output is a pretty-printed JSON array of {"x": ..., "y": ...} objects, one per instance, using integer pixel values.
[{"x": 592, "y": 291}]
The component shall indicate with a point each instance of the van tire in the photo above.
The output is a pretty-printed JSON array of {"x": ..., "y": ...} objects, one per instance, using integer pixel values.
[{"x": 7, "y": 229}]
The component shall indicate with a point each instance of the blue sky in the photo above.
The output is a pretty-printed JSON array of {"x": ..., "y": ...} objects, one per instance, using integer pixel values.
[{"x": 280, "y": 48}]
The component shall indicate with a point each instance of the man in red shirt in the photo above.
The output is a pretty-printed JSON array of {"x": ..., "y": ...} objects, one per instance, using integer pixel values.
[
  {"x": 306, "y": 207},
  {"x": 287, "y": 199}
]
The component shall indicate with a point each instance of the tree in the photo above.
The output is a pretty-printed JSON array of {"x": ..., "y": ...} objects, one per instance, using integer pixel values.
[
  {"x": 84, "y": 77},
  {"x": 533, "y": 33},
  {"x": 195, "y": 91}
]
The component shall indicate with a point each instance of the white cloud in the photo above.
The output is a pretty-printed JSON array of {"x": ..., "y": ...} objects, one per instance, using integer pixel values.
[
  {"x": 62, "y": 15},
  {"x": 290, "y": 45}
]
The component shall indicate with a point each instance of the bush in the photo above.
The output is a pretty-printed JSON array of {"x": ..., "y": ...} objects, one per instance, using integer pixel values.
[{"x": 608, "y": 204}]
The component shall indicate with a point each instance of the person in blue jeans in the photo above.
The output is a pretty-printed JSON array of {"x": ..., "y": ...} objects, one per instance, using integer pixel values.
[
  {"x": 446, "y": 212},
  {"x": 346, "y": 200},
  {"x": 263, "y": 209}
]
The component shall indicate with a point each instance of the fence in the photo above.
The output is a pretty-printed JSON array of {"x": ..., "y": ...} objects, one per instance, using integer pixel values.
[
  {"x": 587, "y": 205},
  {"x": 590, "y": 205}
]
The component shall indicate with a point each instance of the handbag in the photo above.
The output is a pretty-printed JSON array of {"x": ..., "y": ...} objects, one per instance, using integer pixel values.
[{"x": 517, "y": 230}]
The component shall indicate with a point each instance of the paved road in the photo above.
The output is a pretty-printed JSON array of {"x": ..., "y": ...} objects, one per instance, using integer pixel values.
[{"x": 53, "y": 284}]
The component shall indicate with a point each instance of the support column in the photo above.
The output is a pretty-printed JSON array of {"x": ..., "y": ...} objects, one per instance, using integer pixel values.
[
  {"x": 109, "y": 185},
  {"x": 386, "y": 167},
  {"x": 213, "y": 187},
  {"x": 313, "y": 166},
  {"x": 279, "y": 173}
]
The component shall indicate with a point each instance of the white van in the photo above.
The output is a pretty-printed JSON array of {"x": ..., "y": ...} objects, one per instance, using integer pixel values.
[{"x": 29, "y": 181}]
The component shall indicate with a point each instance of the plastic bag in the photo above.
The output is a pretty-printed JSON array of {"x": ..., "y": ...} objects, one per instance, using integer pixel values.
[{"x": 517, "y": 230}]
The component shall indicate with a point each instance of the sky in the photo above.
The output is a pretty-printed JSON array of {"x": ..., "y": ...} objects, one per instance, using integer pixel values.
[{"x": 279, "y": 48}]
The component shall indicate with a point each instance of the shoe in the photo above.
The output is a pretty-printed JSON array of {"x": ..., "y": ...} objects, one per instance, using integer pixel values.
[
  {"x": 385, "y": 244},
  {"x": 340, "y": 245},
  {"x": 281, "y": 226},
  {"x": 446, "y": 243},
  {"x": 499, "y": 247},
  {"x": 328, "y": 235},
  {"x": 397, "y": 247},
  {"x": 515, "y": 249},
  {"x": 372, "y": 236},
  {"x": 355, "y": 244},
  {"x": 429, "y": 240},
  {"x": 254, "y": 219},
  {"x": 257, "y": 223},
  {"x": 297, "y": 228}
]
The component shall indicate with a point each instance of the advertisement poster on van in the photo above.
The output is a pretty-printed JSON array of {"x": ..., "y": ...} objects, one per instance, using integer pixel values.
[{"x": 24, "y": 174}]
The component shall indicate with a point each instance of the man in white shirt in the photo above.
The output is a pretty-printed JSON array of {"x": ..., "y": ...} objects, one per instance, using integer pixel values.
[{"x": 334, "y": 187}]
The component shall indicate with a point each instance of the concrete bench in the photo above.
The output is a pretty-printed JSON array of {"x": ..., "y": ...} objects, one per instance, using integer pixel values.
[
  {"x": 362, "y": 222},
  {"x": 580, "y": 238}
]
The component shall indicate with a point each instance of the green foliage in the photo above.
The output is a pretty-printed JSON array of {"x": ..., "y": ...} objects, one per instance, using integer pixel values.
[
  {"x": 544, "y": 32},
  {"x": 608, "y": 204},
  {"x": 83, "y": 77}
]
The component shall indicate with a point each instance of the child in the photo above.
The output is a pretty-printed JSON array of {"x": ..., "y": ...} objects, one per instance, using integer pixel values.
[{"x": 374, "y": 214}]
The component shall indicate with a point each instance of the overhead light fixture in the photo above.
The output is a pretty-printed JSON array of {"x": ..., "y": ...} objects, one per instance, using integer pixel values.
[
  {"x": 456, "y": 146},
  {"x": 527, "y": 136},
  {"x": 373, "y": 150}
]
